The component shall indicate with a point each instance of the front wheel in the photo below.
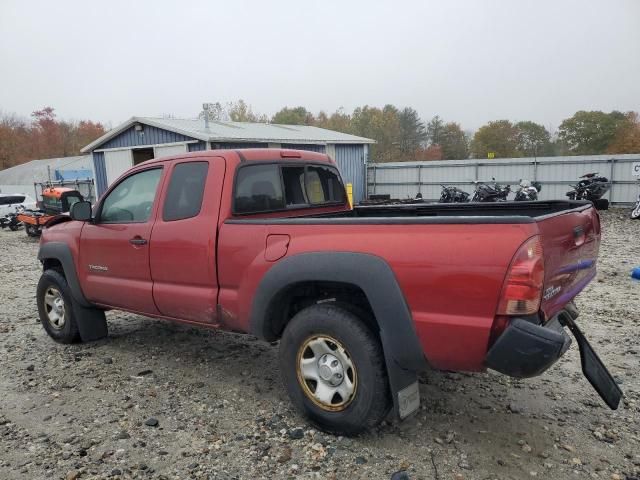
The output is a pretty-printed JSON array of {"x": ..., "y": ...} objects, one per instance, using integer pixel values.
[
  {"x": 334, "y": 371},
  {"x": 55, "y": 308},
  {"x": 635, "y": 213}
]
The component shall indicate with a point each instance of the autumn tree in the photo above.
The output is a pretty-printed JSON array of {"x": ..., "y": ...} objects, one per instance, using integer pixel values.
[
  {"x": 43, "y": 137},
  {"x": 432, "y": 152},
  {"x": 293, "y": 116},
  {"x": 15, "y": 146},
  {"x": 240, "y": 111},
  {"x": 434, "y": 130},
  {"x": 47, "y": 133},
  {"x": 532, "y": 139},
  {"x": 454, "y": 143},
  {"x": 338, "y": 121},
  {"x": 215, "y": 111},
  {"x": 590, "y": 133},
  {"x": 627, "y": 137},
  {"x": 412, "y": 132},
  {"x": 382, "y": 125},
  {"x": 499, "y": 137}
]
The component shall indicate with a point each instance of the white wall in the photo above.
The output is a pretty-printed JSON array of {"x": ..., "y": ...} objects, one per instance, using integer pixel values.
[
  {"x": 330, "y": 150},
  {"x": 165, "y": 151},
  {"x": 116, "y": 163}
]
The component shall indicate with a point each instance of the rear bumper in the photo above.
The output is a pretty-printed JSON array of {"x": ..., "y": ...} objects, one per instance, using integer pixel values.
[{"x": 525, "y": 349}]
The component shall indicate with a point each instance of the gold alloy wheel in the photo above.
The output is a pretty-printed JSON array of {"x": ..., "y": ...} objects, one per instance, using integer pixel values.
[
  {"x": 326, "y": 373},
  {"x": 54, "y": 308}
]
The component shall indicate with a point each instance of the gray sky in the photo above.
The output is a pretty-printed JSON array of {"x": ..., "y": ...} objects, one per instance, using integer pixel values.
[{"x": 468, "y": 61}]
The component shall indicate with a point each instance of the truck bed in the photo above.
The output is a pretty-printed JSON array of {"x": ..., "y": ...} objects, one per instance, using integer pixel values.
[
  {"x": 450, "y": 259},
  {"x": 420, "y": 213},
  {"x": 498, "y": 209}
]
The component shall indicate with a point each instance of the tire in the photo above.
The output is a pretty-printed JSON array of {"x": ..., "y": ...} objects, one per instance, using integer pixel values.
[
  {"x": 55, "y": 307},
  {"x": 635, "y": 213},
  {"x": 362, "y": 399},
  {"x": 601, "y": 204},
  {"x": 32, "y": 231}
]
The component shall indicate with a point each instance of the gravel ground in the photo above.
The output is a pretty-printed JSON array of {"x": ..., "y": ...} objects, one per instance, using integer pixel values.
[{"x": 157, "y": 400}]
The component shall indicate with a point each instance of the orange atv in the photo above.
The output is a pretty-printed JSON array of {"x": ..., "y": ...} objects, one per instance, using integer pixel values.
[{"x": 55, "y": 201}]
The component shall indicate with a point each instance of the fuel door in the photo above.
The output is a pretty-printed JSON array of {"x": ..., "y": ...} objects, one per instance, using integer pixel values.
[{"x": 277, "y": 246}]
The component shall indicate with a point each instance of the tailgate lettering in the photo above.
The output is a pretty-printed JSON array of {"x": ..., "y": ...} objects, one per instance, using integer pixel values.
[{"x": 551, "y": 292}]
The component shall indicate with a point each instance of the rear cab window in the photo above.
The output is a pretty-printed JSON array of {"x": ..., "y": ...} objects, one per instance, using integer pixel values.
[
  {"x": 258, "y": 188},
  {"x": 186, "y": 190},
  {"x": 261, "y": 188}
]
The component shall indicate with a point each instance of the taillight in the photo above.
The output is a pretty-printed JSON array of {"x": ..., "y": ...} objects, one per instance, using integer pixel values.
[
  {"x": 596, "y": 221},
  {"x": 522, "y": 289}
]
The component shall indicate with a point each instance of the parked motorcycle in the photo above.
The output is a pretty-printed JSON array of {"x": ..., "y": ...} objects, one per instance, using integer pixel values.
[
  {"x": 635, "y": 213},
  {"x": 528, "y": 191},
  {"x": 491, "y": 192},
  {"x": 10, "y": 221},
  {"x": 453, "y": 195},
  {"x": 591, "y": 187}
]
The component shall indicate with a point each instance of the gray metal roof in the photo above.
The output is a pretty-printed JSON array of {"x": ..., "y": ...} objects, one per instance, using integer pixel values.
[
  {"x": 236, "y": 132},
  {"x": 36, "y": 170}
]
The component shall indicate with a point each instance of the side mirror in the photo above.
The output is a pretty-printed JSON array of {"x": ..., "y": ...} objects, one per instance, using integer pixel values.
[{"x": 81, "y": 211}]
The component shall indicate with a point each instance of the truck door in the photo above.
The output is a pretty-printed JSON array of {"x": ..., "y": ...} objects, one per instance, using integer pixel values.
[
  {"x": 114, "y": 249},
  {"x": 183, "y": 242}
]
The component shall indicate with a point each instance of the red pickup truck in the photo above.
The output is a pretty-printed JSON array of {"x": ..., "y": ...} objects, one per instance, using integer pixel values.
[{"x": 362, "y": 299}]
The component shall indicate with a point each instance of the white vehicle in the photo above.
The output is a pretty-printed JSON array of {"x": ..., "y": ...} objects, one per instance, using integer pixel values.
[{"x": 13, "y": 202}]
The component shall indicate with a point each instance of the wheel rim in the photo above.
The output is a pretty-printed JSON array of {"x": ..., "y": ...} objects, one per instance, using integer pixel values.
[
  {"x": 54, "y": 307},
  {"x": 326, "y": 373}
]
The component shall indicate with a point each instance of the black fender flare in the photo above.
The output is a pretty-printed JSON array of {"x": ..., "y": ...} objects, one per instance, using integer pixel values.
[
  {"x": 404, "y": 356},
  {"x": 369, "y": 272},
  {"x": 61, "y": 252}
]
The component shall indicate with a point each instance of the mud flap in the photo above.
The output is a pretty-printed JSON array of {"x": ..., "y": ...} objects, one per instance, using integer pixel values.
[
  {"x": 92, "y": 324},
  {"x": 593, "y": 368},
  {"x": 404, "y": 387}
]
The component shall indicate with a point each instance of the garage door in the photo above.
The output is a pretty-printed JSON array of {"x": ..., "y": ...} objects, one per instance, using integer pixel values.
[
  {"x": 116, "y": 163},
  {"x": 169, "y": 150}
]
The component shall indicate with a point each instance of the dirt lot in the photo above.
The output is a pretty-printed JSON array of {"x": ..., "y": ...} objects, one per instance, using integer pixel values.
[{"x": 82, "y": 411}]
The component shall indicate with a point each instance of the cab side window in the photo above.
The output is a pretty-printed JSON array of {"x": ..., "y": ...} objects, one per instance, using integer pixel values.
[
  {"x": 132, "y": 199},
  {"x": 186, "y": 189}
]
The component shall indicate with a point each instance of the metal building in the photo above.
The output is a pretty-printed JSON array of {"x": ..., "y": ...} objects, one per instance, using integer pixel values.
[
  {"x": 21, "y": 178},
  {"x": 141, "y": 138}
]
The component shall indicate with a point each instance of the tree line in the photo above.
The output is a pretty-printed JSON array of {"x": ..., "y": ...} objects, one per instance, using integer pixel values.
[
  {"x": 43, "y": 136},
  {"x": 400, "y": 133}
]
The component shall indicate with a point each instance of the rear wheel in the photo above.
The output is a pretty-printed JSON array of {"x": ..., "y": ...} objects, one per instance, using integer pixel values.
[
  {"x": 333, "y": 369},
  {"x": 55, "y": 307},
  {"x": 32, "y": 231}
]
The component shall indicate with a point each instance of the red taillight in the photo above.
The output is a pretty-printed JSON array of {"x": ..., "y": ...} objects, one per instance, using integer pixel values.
[
  {"x": 522, "y": 289},
  {"x": 596, "y": 221}
]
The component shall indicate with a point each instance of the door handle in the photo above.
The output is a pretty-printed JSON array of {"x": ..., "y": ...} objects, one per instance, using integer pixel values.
[{"x": 138, "y": 241}]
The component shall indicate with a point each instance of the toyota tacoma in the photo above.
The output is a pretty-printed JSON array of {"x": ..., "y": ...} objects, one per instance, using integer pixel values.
[{"x": 361, "y": 300}]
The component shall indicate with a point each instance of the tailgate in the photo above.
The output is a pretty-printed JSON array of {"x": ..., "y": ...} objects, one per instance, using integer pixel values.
[{"x": 570, "y": 243}]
